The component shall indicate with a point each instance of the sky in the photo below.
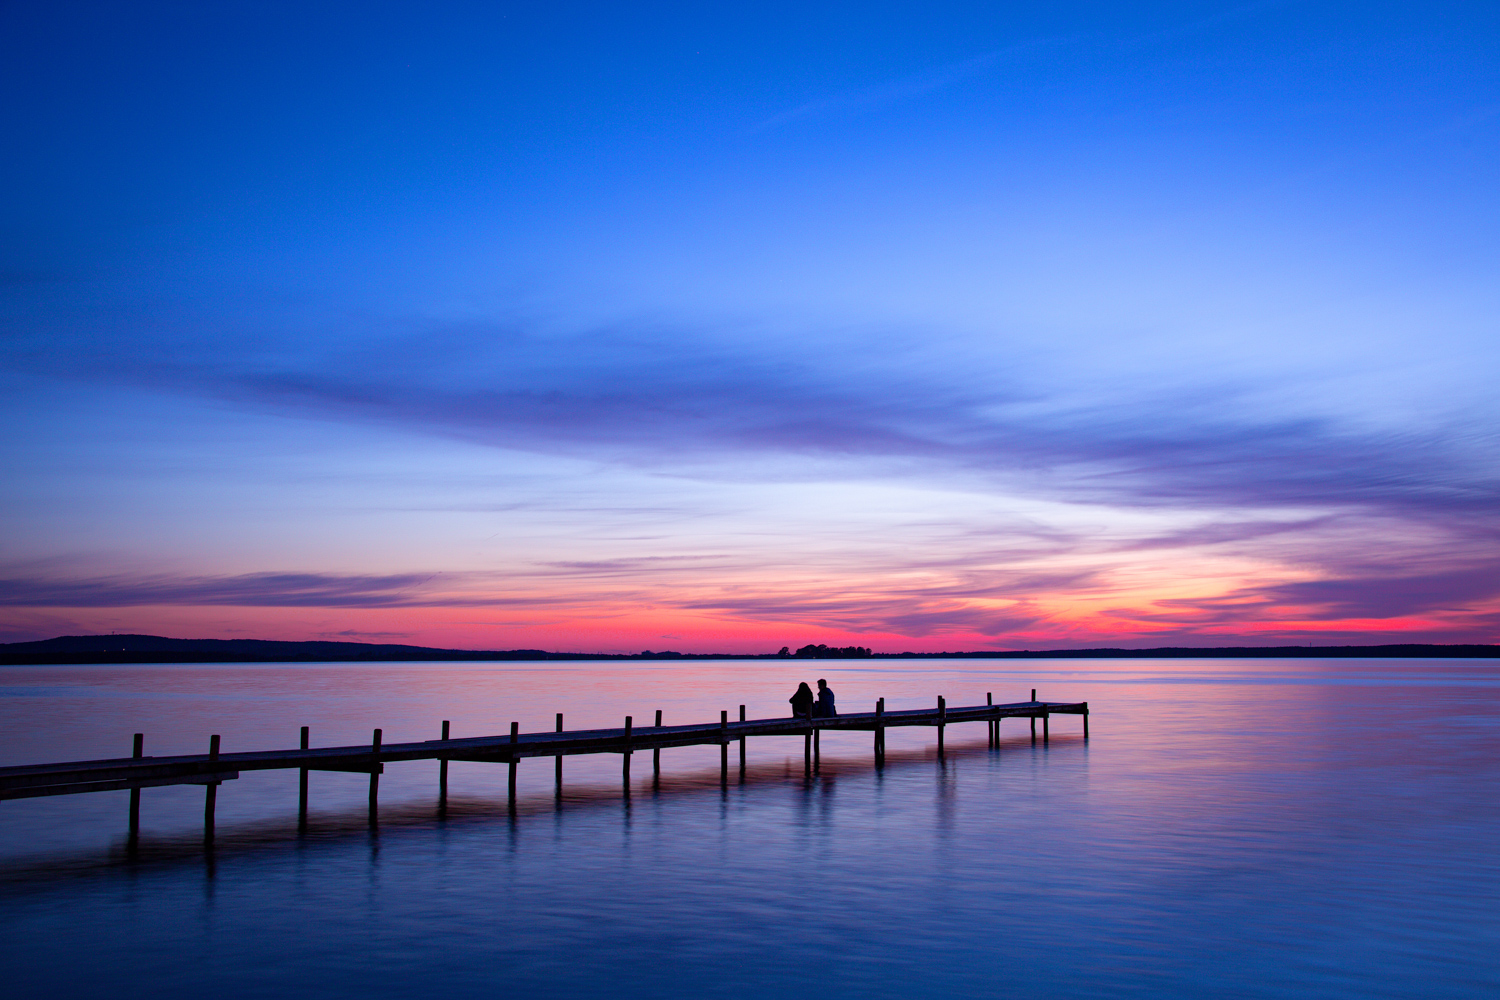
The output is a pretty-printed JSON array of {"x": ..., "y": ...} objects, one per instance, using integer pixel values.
[{"x": 719, "y": 328}]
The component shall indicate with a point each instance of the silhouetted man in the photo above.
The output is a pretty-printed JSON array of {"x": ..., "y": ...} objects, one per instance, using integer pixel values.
[{"x": 825, "y": 709}]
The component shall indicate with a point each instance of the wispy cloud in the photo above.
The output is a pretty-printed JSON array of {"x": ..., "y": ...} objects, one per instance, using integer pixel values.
[
  {"x": 662, "y": 395},
  {"x": 287, "y": 590},
  {"x": 1378, "y": 595},
  {"x": 666, "y": 399}
]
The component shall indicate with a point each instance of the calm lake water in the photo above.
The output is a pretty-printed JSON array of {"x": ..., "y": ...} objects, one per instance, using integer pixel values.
[{"x": 1239, "y": 828}]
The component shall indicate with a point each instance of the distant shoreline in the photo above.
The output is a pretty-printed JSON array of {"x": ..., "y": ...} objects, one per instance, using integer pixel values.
[{"x": 146, "y": 649}]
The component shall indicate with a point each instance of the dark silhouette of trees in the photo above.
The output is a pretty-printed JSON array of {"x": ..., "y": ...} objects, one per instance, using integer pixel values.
[{"x": 822, "y": 652}]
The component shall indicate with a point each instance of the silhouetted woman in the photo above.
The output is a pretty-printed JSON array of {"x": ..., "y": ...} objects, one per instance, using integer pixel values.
[
  {"x": 825, "y": 709},
  {"x": 802, "y": 702}
]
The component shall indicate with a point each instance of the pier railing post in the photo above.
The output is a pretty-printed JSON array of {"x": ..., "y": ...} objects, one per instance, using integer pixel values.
[
  {"x": 210, "y": 793},
  {"x": 515, "y": 737},
  {"x": 807, "y": 747},
  {"x": 374, "y": 775},
  {"x": 443, "y": 776},
  {"x": 942, "y": 722},
  {"x": 724, "y": 747},
  {"x": 817, "y": 748},
  {"x": 625, "y": 767},
  {"x": 557, "y": 762},
  {"x": 137, "y": 749},
  {"x": 132, "y": 838},
  {"x": 302, "y": 785}
]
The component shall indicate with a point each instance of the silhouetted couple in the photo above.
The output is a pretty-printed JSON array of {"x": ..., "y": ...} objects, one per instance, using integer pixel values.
[{"x": 804, "y": 706}]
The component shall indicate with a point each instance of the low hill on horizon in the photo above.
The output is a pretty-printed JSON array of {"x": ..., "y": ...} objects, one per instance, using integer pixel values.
[
  {"x": 129, "y": 648},
  {"x": 162, "y": 649}
]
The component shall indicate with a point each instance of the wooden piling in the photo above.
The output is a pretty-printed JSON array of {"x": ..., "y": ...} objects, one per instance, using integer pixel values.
[
  {"x": 1045, "y": 727},
  {"x": 742, "y": 748},
  {"x": 557, "y": 762},
  {"x": 302, "y": 785},
  {"x": 625, "y": 766},
  {"x": 138, "y": 749},
  {"x": 941, "y": 722},
  {"x": 994, "y": 724},
  {"x": 443, "y": 776},
  {"x": 1033, "y": 718},
  {"x": 879, "y": 732},
  {"x": 1085, "y": 723},
  {"x": 210, "y": 793},
  {"x": 817, "y": 750},
  {"x": 656, "y": 753},
  {"x": 724, "y": 747},
  {"x": 515, "y": 737},
  {"x": 374, "y": 775}
]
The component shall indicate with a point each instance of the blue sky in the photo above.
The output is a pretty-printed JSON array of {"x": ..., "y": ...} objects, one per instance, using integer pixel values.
[{"x": 924, "y": 326}]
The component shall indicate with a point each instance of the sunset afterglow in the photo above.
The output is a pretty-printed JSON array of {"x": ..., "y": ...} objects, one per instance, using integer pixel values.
[{"x": 721, "y": 331}]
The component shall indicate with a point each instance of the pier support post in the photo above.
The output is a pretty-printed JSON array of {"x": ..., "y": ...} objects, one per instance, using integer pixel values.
[
  {"x": 994, "y": 724},
  {"x": 210, "y": 794},
  {"x": 515, "y": 737},
  {"x": 557, "y": 767},
  {"x": 443, "y": 777},
  {"x": 1085, "y": 722},
  {"x": 656, "y": 754},
  {"x": 880, "y": 732},
  {"x": 1046, "y": 734},
  {"x": 374, "y": 777},
  {"x": 1033, "y": 717},
  {"x": 807, "y": 749},
  {"x": 137, "y": 749},
  {"x": 724, "y": 748},
  {"x": 625, "y": 767},
  {"x": 742, "y": 748},
  {"x": 302, "y": 785},
  {"x": 942, "y": 722}
]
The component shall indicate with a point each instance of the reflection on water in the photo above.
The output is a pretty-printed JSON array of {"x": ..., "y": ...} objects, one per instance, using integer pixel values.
[{"x": 1239, "y": 828}]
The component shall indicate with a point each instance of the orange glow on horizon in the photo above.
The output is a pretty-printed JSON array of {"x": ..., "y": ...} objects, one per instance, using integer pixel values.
[{"x": 625, "y": 630}]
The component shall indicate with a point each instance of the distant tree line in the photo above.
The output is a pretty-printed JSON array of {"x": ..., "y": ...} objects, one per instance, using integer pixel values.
[
  {"x": 822, "y": 652},
  {"x": 162, "y": 649}
]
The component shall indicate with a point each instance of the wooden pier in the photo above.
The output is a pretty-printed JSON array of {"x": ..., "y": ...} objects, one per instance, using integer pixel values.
[{"x": 211, "y": 769}]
